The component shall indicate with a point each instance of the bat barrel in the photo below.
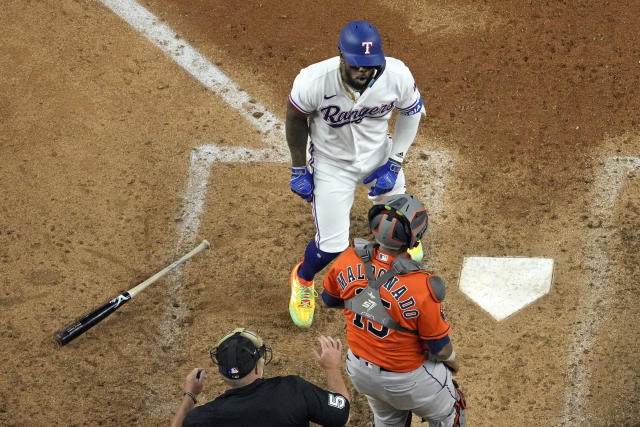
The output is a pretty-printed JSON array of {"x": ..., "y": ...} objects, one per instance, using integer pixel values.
[{"x": 89, "y": 320}]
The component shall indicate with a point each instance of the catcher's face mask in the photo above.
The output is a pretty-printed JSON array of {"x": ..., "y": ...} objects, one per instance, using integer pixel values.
[{"x": 399, "y": 221}]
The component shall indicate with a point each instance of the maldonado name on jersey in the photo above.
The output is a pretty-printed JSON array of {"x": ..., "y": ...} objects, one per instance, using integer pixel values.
[{"x": 335, "y": 117}]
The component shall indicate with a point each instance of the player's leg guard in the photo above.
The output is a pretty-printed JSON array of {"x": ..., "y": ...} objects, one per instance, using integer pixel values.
[
  {"x": 461, "y": 408},
  {"x": 408, "y": 422},
  {"x": 314, "y": 260}
]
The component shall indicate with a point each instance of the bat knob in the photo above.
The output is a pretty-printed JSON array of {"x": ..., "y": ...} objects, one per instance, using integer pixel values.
[{"x": 59, "y": 339}]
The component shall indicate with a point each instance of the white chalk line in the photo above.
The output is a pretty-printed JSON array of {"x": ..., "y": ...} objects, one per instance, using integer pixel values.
[
  {"x": 195, "y": 194},
  {"x": 202, "y": 158},
  {"x": 434, "y": 176},
  {"x": 197, "y": 65},
  {"x": 596, "y": 292}
]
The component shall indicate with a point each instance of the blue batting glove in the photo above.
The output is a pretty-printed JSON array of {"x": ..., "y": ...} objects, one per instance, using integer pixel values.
[
  {"x": 302, "y": 182},
  {"x": 385, "y": 177}
]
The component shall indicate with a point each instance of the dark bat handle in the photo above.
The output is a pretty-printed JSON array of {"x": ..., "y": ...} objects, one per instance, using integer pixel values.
[{"x": 89, "y": 320}]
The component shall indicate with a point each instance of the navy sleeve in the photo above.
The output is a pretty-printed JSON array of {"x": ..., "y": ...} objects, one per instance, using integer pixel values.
[
  {"x": 331, "y": 301},
  {"x": 324, "y": 407},
  {"x": 435, "y": 346}
]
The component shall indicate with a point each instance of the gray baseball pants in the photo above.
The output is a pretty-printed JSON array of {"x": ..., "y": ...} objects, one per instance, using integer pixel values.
[{"x": 428, "y": 392}]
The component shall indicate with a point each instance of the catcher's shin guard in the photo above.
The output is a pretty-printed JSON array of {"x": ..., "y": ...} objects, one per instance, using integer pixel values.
[
  {"x": 461, "y": 408},
  {"x": 408, "y": 422}
]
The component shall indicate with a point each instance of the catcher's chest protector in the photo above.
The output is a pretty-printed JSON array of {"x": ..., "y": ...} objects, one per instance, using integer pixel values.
[{"x": 368, "y": 303}]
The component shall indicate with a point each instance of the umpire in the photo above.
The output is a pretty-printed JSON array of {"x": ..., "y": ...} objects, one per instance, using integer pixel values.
[{"x": 252, "y": 400}]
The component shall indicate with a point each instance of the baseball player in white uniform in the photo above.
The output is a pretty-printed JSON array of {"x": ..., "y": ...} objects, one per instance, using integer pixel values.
[{"x": 338, "y": 135}]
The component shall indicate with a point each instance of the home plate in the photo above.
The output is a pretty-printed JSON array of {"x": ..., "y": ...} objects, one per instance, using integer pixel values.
[{"x": 502, "y": 286}]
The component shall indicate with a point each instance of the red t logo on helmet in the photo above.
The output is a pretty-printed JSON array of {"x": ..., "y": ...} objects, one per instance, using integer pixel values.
[{"x": 367, "y": 47}]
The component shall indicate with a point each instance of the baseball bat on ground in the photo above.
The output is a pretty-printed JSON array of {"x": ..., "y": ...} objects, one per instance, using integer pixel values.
[{"x": 89, "y": 320}]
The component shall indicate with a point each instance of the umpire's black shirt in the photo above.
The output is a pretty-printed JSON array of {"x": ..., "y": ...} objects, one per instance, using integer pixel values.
[{"x": 278, "y": 402}]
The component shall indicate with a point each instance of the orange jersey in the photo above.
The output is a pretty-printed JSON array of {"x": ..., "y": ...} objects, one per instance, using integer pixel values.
[{"x": 409, "y": 300}]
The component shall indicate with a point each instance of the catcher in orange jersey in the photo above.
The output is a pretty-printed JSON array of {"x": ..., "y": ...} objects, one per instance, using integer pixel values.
[{"x": 400, "y": 355}]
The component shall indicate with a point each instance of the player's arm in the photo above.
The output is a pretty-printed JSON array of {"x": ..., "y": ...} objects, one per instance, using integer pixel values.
[
  {"x": 332, "y": 301},
  {"x": 297, "y": 132},
  {"x": 330, "y": 360},
  {"x": 193, "y": 386},
  {"x": 324, "y": 407},
  {"x": 331, "y": 296},
  {"x": 432, "y": 324},
  {"x": 404, "y": 133},
  {"x": 449, "y": 358},
  {"x": 442, "y": 349},
  {"x": 410, "y": 109}
]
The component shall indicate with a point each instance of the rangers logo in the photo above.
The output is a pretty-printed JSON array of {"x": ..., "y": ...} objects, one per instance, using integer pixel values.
[
  {"x": 335, "y": 117},
  {"x": 367, "y": 47}
]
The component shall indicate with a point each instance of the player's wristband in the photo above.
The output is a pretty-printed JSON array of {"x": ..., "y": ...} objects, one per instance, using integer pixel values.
[
  {"x": 191, "y": 395},
  {"x": 396, "y": 159}
]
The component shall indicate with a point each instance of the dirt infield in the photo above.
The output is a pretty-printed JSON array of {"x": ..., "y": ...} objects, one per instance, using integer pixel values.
[{"x": 531, "y": 147}]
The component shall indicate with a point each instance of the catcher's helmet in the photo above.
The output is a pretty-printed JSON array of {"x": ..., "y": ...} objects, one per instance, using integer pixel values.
[
  {"x": 238, "y": 351},
  {"x": 398, "y": 221},
  {"x": 360, "y": 45}
]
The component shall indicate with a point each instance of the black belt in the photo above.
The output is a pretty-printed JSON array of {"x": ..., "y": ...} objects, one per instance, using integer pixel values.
[{"x": 366, "y": 361}]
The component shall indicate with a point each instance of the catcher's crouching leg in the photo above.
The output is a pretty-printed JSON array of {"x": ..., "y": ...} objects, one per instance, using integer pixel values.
[
  {"x": 461, "y": 408},
  {"x": 406, "y": 423}
]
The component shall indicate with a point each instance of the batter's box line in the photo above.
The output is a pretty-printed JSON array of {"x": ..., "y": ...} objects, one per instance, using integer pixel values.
[
  {"x": 202, "y": 160},
  {"x": 196, "y": 64},
  {"x": 204, "y": 157},
  {"x": 434, "y": 173},
  {"x": 596, "y": 291}
]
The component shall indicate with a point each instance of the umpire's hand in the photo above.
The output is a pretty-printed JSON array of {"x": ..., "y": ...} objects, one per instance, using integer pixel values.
[
  {"x": 195, "y": 381},
  {"x": 330, "y": 356}
]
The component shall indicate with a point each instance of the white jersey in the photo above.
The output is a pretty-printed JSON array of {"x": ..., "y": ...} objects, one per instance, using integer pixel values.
[{"x": 346, "y": 128}]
